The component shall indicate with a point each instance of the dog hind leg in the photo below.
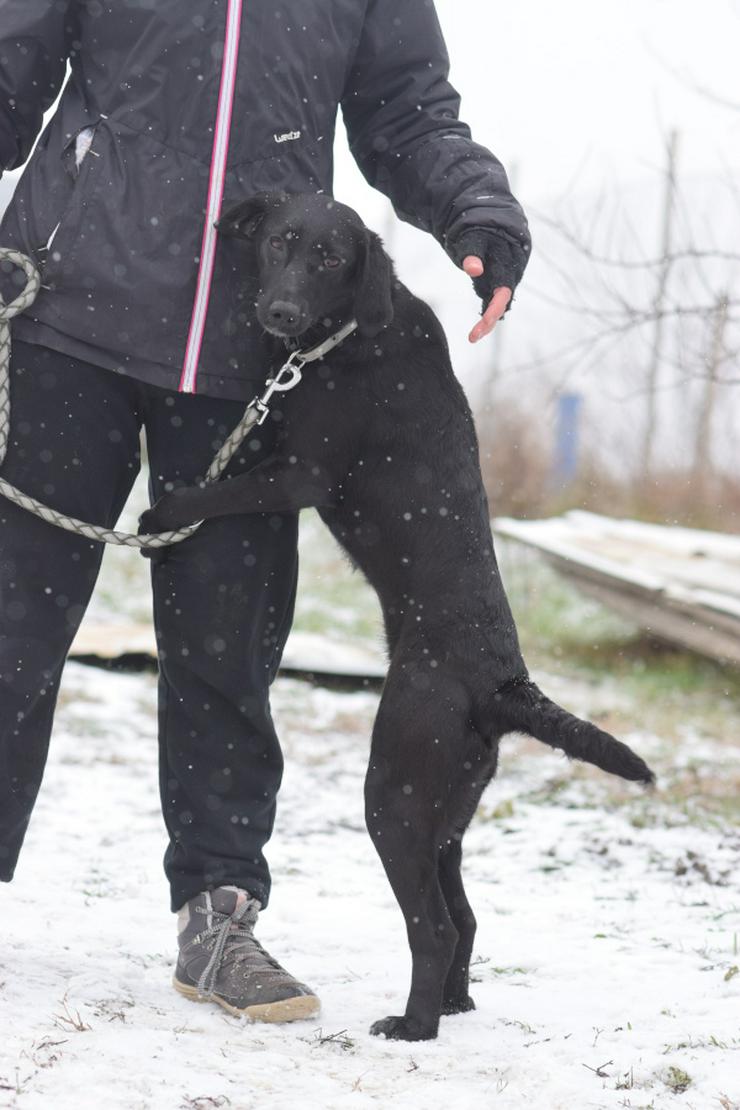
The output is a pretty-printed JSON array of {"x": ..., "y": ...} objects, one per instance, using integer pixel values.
[
  {"x": 411, "y": 781},
  {"x": 455, "y": 996},
  {"x": 432, "y": 938},
  {"x": 476, "y": 765}
]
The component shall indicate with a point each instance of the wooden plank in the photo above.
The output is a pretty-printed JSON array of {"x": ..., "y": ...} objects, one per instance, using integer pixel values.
[
  {"x": 305, "y": 653},
  {"x": 681, "y": 585},
  {"x": 673, "y": 627}
]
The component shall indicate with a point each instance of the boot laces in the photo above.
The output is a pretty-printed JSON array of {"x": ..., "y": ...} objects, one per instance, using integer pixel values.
[{"x": 234, "y": 941}]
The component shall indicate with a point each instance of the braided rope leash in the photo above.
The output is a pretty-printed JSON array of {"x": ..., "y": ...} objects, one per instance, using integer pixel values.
[{"x": 256, "y": 412}]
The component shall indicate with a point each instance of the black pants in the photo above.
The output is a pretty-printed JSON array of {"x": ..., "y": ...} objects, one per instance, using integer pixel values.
[{"x": 223, "y": 603}]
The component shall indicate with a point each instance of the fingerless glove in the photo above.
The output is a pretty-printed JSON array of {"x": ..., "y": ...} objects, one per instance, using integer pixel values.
[{"x": 504, "y": 260}]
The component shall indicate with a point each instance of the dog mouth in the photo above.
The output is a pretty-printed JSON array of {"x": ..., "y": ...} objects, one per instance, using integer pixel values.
[{"x": 286, "y": 332}]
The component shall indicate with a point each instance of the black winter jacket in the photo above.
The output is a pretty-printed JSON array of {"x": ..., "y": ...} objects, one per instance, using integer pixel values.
[{"x": 176, "y": 109}]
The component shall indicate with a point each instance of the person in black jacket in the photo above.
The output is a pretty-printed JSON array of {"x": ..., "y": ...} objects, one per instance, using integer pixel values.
[{"x": 165, "y": 120}]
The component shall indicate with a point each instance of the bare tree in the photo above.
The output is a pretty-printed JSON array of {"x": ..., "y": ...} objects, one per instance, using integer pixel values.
[
  {"x": 659, "y": 303},
  {"x": 703, "y": 442}
]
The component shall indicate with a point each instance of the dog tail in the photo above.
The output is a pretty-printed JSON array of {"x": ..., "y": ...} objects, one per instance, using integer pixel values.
[{"x": 523, "y": 707}]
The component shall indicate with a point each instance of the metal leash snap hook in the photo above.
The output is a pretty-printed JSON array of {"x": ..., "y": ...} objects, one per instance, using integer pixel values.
[
  {"x": 278, "y": 384},
  {"x": 293, "y": 366}
]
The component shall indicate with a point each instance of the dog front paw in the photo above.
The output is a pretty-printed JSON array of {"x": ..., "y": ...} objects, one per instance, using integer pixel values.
[
  {"x": 403, "y": 1029},
  {"x": 166, "y": 513},
  {"x": 155, "y": 520},
  {"x": 150, "y": 524}
]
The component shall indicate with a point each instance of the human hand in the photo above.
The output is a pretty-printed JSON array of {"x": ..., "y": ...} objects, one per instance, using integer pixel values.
[{"x": 474, "y": 268}]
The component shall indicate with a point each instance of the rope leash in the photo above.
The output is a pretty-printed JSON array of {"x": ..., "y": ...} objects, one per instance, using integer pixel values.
[{"x": 256, "y": 412}]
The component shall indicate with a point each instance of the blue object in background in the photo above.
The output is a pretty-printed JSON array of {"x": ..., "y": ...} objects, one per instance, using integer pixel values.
[{"x": 567, "y": 439}]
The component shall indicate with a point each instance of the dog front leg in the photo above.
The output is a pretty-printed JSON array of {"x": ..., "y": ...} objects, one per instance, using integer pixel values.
[{"x": 275, "y": 486}]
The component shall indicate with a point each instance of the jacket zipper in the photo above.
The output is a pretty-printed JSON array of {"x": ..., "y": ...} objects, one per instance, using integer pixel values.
[{"x": 215, "y": 197}]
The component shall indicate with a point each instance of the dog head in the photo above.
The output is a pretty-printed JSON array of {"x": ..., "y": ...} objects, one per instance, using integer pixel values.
[{"x": 317, "y": 264}]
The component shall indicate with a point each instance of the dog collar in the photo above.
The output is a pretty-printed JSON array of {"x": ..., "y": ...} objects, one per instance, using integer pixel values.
[{"x": 329, "y": 344}]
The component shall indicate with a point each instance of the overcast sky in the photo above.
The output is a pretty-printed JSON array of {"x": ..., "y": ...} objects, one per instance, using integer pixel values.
[
  {"x": 577, "y": 93},
  {"x": 575, "y": 97}
]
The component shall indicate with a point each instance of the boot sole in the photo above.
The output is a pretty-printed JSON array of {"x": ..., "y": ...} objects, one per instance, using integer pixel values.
[{"x": 287, "y": 1009}]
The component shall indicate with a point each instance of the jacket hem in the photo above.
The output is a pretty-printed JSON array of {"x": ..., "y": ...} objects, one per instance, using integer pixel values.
[{"x": 38, "y": 334}]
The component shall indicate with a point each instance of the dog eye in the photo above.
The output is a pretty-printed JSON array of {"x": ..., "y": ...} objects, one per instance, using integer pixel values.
[
  {"x": 332, "y": 261},
  {"x": 276, "y": 242}
]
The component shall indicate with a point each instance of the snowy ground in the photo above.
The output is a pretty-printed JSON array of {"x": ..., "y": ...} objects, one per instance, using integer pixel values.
[
  {"x": 607, "y": 951},
  {"x": 607, "y": 958}
]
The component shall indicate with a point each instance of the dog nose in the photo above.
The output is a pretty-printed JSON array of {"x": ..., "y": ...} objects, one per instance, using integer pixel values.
[{"x": 283, "y": 314}]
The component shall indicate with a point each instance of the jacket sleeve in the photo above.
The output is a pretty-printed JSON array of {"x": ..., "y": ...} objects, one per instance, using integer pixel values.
[
  {"x": 35, "y": 41},
  {"x": 401, "y": 115}
]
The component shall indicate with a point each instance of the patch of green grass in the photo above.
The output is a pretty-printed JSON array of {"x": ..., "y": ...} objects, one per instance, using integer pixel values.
[
  {"x": 564, "y": 632},
  {"x": 708, "y": 799},
  {"x": 711, "y": 1041},
  {"x": 677, "y": 1080},
  {"x": 333, "y": 598},
  {"x": 501, "y": 812}
]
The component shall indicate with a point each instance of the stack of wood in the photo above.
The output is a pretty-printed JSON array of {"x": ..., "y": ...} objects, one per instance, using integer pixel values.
[{"x": 680, "y": 585}]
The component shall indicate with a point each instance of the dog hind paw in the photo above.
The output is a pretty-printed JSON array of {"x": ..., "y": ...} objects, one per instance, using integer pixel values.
[
  {"x": 403, "y": 1029},
  {"x": 458, "y": 1005}
]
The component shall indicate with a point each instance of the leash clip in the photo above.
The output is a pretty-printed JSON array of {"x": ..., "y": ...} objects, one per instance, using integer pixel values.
[
  {"x": 293, "y": 367},
  {"x": 287, "y": 377}
]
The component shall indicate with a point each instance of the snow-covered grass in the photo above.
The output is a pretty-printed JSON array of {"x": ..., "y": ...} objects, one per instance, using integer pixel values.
[{"x": 608, "y": 954}]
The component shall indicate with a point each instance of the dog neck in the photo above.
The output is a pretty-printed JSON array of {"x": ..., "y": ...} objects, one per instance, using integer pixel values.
[{"x": 314, "y": 336}]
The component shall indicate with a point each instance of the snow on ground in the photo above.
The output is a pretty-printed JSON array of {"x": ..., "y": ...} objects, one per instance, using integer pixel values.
[
  {"x": 609, "y": 926},
  {"x": 606, "y": 961}
]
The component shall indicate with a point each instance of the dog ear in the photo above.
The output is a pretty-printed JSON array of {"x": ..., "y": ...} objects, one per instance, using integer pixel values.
[
  {"x": 243, "y": 219},
  {"x": 373, "y": 295}
]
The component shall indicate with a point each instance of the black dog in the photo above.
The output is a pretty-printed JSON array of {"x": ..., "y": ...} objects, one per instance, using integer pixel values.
[{"x": 379, "y": 437}]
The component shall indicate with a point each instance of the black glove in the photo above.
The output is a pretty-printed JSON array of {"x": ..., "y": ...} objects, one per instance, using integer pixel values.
[{"x": 504, "y": 260}]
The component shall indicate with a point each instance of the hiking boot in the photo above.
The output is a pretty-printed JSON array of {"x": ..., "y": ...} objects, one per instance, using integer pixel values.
[{"x": 221, "y": 961}]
